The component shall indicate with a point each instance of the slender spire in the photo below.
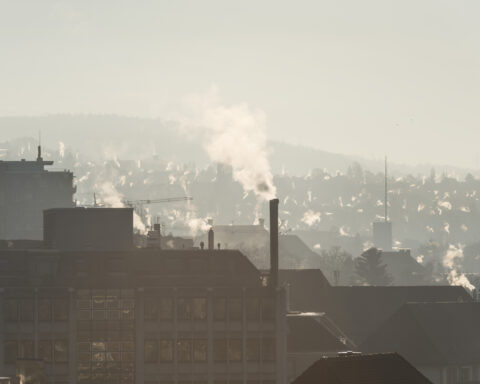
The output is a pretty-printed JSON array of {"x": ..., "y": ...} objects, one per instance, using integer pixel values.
[
  {"x": 39, "y": 148},
  {"x": 386, "y": 191}
]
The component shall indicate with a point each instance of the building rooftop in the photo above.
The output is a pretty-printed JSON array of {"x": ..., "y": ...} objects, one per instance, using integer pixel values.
[{"x": 388, "y": 368}]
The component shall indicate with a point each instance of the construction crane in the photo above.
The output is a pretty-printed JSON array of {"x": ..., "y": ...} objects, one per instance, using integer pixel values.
[{"x": 135, "y": 203}]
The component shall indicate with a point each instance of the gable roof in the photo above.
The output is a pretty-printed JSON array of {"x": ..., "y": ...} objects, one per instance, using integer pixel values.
[
  {"x": 358, "y": 311},
  {"x": 362, "y": 369},
  {"x": 431, "y": 333},
  {"x": 304, "y": 287},
  {"x": 403, "y": 268},
  {"x": 314, "y": 332}
]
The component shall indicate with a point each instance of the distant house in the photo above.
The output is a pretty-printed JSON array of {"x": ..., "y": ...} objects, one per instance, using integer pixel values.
[
  {"x": 404, "y": 269},
  {"x": 388, "y": 368},
  {"x": 359, "y": 311},
  {"x": 312, "y": 336},
  {"x": 442, "y": 340}
]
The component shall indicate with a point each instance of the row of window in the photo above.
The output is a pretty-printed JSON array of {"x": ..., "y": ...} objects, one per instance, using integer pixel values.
[
  {"x": 48, "y": 350},
  {"x": 23, "y": 310},
  {"x": 196, "y": 309},
  {"x": 196, "y": 350}
]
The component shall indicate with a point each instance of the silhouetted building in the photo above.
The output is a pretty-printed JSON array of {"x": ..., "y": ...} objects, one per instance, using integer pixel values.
[
  {"x": 382, "y": 235},
  {"x": 118, "y": 315},
  {"x": 26, "y": 189},
  {"x": 442, "y": 340},
  {"x": 362, "y": 369},
  {"x": 83, "y": 228}
]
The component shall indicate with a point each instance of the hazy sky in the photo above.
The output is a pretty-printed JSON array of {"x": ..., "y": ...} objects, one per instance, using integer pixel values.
[{"x": 358, "y": 77}]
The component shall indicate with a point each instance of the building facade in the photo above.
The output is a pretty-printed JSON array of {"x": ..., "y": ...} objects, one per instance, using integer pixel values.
[{"x": 141, "y": 316}]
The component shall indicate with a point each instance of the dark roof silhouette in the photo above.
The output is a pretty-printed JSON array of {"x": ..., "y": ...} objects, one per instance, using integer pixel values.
[
  {"x": 362, "y": 369},
  {"x": 358, "y": 311},
  {"x": 315, "y": 333},
  {"x": 305, "y": 286},
  {"x": 431, "y": 333}
]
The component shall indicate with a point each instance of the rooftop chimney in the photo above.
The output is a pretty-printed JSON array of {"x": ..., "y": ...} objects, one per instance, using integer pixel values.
[
  {"x": 211, "y": 244},
  {"x": 274, "y": 243}
]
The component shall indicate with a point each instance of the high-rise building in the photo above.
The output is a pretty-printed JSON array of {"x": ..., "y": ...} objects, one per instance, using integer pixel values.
[{"x": 26, "y": 189}]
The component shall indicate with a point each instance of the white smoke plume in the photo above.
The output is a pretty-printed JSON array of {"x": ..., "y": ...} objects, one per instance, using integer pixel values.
[
  {"x": 61, "y": 149},
  {"x": 452, "y": 261},
  {"x": 234, "y": 135},
  {"x": 112, "y": 198}
]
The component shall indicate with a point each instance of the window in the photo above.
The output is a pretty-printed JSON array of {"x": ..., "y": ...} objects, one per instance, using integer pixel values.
[
  {"x": 235, "y": 349},
  {"x": 268, "y": 349},
  {"x": 219, "y": 308},
  {"x": 151, "y": 351},
  {"x": 200, "y": 350},
  {"x": 184, "y": 309},
  {"x": 165, "y": 309},
  {"x": 150, "y": 309},
  {"x": 220, "y": 350},
  {"x": 45, "y": 310},
  {"x": 184, "y": 350},
  {"x": 45, "y": 350},
  {"x": 11, "y": 310},
  {"x": 268, "y": 309},
  {"x": 166, "y": 351},
  {"x": 199, "y": 308},
  {"x": 61, "y": 351},
  {"x": 25, "y": 349},
  {"x": 235, "y": 309},
  {"x": 25, "y": 310},
  {"x": 252, "y": 305},
  {"x": 253, "y": 349},
  {"x": 10, "y": 351},
  {"x": 60, "y": 310}
]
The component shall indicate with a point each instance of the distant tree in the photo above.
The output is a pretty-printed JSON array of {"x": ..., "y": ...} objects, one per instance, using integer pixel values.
[
  {"x": 332, "y": 261},
  {"x": 370, "y": 269}
]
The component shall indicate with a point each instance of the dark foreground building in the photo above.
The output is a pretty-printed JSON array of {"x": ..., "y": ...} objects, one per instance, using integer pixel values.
[
  {"x": 388, "y": 368},
  {"x": 26, "y": 189},
  {"x": 141, "y": 316}
]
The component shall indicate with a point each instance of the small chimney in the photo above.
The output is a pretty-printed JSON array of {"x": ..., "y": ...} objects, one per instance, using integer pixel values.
[
  {"x": 274, "y": 243},
  {"x": 202, "y": 245},
  {"x": 211, "y": 244},
  {"x": 39, "y": 153},
  {"x": 261, "y": 223}
]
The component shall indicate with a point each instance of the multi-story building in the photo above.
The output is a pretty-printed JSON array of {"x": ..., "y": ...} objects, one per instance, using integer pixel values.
[
  {"x": 26, "y": 189},
  {"x": 141, "y": 315}
]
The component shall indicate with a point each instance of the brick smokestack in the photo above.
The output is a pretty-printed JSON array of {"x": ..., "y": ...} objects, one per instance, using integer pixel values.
[
  {"x": 274, "y": 243},
  {"x": 211, "y": 242}
]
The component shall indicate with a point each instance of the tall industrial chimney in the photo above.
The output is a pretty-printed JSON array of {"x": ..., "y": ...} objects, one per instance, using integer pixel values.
[
  {"x": 211, "y": 243},
  {"x": 274, "y": 243}
]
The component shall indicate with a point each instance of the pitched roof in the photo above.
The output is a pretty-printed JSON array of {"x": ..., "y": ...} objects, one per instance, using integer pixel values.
[
  {"x": 431, "y": 333},
  {"x": 362, "y": 369},
  {"x": 403, "y": 268},
  {"x": 304, "y": 286},
  {"x": 358, "y": 311},
  {"x": 314, "y": 332}
]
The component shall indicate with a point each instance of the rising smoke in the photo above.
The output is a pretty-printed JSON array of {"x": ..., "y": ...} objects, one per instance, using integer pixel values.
[
  {"x": 452, "y": 262},
  {"x": 233, "y": 135}
]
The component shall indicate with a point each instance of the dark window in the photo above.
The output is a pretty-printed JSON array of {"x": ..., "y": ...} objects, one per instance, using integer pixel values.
[
  {"x": 200, "y": 350},
  {"x": 268, "y": 349},
  {"x": 184, "y": 309},
  {"x": 219, "y": 308},
  {"x": 252, "y": 305},
  {"x": 11, "y": 310},
  {"x": 151, "y": 351},
  {"x": 25, "y": 349},
  {"x": 235, "y": 309},
  {"x": 150, "y": 309},
  {"x": 235, "y": 349},
  {"x": 199, "y": 308},
  {"x": 220, "y": 349},
  {"x": 166, "y": 351},
  {"x": 184, "y": 350},
  {"x": 165, "y": 310},
  {"x": 268, "y": 309},
  {"x": 25, "y": 310},
  {"x": 10, "y": 351},
  {"x": 253, "y": 349},
  {"x": 45, "y": 350},
  {"x": 45, "y": 310},
  {"x": 60, "y": 310},
  {"x": 61, "y": 351}
]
